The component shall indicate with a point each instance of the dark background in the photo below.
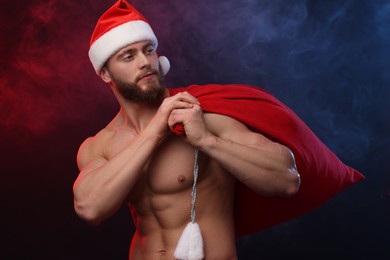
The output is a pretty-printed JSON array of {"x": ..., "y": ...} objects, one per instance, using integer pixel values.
[{"x": 328, "y": 60}]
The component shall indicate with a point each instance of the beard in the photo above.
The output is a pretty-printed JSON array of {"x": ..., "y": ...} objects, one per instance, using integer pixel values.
[{"x": 151, "y": 95}]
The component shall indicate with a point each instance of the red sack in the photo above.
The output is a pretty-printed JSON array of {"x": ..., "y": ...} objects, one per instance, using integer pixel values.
[{"x": 323, "y": 175}]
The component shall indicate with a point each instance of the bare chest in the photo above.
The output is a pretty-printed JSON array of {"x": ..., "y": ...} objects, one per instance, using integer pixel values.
[{"x": 169, "y": 169}]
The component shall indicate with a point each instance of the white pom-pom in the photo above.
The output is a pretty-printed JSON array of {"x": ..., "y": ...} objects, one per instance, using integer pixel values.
[
  {"x": 190, "y": 245},
  {"x": 165, "y": 65}
]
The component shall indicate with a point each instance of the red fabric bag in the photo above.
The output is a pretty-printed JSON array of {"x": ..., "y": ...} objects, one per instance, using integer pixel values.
[{"x": 323, "y": 175}]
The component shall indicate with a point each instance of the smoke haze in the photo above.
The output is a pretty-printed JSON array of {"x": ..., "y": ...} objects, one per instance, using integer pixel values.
[{"x": 328, "y": 60}]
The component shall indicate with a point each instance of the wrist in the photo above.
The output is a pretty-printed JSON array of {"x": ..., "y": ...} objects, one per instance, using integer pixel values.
[
  {"x": 153, "y": 136},
  {"x": 208, "y": 143}
]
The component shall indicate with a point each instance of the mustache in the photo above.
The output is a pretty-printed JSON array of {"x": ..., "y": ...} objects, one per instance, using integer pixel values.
[{"x": 145, "y": 73}]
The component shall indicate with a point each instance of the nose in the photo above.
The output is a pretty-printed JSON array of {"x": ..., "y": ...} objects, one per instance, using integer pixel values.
[{"x": 143, "y": 61}]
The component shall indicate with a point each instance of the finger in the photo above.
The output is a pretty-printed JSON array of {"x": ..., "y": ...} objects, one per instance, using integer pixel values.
[
  {"x": 185, "y": 96},
  {"x": 176, "y": 116},
  {"x": 169, "y": 105},
  {"x": 180, "y": 104}
]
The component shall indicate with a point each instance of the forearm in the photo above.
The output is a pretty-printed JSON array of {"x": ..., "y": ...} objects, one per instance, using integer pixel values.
[
  {"x": 266, "y": 170},
  {"x": 100, "y": 191}
]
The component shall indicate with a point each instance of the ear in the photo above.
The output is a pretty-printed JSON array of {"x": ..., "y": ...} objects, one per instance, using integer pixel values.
[{"x": 105, "y": 75}]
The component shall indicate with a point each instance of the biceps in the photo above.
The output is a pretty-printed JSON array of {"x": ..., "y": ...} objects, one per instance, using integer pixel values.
[
  {"x": 90, "y": 155},
  {"x": 239, "y": 133},
  {"x": 93, "y": 165},
  {"x": 235, "y": 131},
  {"x": 231, "y": 129},
  {"x": 250, "y": 138},
  {"x": 87, "y": 161},
  {"x": 263, "y": 144}
]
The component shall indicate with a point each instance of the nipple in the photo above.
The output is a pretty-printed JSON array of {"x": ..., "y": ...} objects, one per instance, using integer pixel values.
[{"x": 181, "y": 178}]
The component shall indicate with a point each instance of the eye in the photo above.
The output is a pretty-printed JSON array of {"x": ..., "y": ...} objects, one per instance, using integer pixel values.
[
  {"x": 128, "y": 57},
  {"x": 149, "y": 50}
]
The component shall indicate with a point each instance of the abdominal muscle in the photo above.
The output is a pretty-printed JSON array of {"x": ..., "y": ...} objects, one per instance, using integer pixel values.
[{"x": 161, "y": 205}]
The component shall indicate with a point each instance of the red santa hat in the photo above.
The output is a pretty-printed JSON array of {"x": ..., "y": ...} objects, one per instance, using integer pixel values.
[{"x": 118, "y": 27}]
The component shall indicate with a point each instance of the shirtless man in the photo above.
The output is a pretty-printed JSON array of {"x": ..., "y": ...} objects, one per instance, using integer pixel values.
[{"x": 136, "y": 159}]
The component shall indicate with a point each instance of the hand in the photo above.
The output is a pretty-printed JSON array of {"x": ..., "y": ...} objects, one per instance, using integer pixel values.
[
  {"x": 182, "y": 100},
  {"x": 189, "y": 122}
]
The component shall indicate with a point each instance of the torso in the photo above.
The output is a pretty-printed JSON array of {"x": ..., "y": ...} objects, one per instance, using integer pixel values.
[{"x": 161, "y": 200}]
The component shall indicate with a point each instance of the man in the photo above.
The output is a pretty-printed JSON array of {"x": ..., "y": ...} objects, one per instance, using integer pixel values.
[{"x": 136, "y": 159}]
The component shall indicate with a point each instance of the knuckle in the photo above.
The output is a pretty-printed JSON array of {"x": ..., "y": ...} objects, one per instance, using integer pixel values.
[
  {"x": 173, "y": 112},
  {"x": 197, "y": 108},
  {"x": 165, "y": 102},
  {"x": 164, "y": 109}
]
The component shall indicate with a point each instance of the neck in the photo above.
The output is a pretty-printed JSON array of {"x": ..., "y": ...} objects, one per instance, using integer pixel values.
[{"x": 137, "y": 115}]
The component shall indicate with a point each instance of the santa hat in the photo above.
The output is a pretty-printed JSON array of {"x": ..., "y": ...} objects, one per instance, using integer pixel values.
[{"x": 118, "y": 27}]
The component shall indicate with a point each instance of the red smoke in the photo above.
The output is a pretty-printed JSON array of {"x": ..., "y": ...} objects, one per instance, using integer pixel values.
[{"x": 43, "y": 81}]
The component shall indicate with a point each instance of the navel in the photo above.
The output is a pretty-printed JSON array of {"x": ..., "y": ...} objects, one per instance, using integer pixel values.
[{"x": 181, "y": 178}]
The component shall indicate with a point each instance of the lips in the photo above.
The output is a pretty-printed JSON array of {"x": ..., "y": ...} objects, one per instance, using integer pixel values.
[{"x": 147, "y": 76}]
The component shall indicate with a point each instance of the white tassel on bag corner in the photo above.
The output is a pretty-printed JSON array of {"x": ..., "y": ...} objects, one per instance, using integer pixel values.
[{"x": 190, "y": 245}]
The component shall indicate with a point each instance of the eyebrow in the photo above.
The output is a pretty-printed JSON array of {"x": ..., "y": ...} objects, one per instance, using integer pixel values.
[{"x": 133, "y": 50}]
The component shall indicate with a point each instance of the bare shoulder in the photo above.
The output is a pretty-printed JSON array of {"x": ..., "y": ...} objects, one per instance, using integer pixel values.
[{"x": 94, "y": 147}]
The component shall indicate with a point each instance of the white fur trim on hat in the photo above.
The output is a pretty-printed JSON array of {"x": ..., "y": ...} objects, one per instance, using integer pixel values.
[{"x": 118, "y": 37}]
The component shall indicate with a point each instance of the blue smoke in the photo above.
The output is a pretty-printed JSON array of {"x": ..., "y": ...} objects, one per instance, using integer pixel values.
[{"x": 329, "y": 60}]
